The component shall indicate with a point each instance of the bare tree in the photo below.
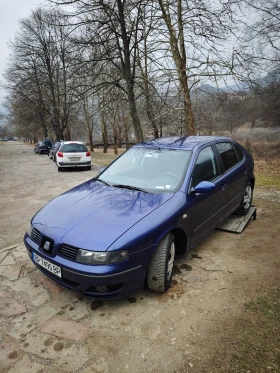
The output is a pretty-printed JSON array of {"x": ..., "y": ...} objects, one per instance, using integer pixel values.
[
  {"x": 197, "y": 31},
  {"x": 41, "y": 69},
  {"x": 114, "y": 28}
]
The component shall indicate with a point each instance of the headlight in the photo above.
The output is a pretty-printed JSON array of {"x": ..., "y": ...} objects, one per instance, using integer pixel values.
[
  {"x": 97, "y": 257},
  {"x": 29, "y": 229}
]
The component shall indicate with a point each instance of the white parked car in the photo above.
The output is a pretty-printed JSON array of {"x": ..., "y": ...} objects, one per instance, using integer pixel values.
[{"x": 73, "y": 154}]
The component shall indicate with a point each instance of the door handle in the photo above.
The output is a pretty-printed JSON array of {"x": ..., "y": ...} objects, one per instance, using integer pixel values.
[
  {"x": 223, "y": 186},
  {"x": 245, "y": 170}
]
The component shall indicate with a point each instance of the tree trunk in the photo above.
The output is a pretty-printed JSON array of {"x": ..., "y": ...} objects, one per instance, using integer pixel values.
[
  {"x": 127, "y": 145},
  {"x": 115, "y": 142},
  {"x": 133, "y": 111},
  {"x": 90, "y": 141},
  {"x": 151, "y": 116},
  {"x": 180, "y": 60},
  {"x": 89, "y": 125},
  {"x": 57, "y": 130},
  {"x": 119, "y": 132},
  {"x": 105, "y": 140},
  {"x": 189, "y": 119},
  {"x": 104, "y": 134},
  {"x": 147, "y": 92},
  {"x": 160, "y": 128},
  {"x": 103, "y": 126},
  {"x": 128, "y": 74},
  {"x": 67, "y": 134}
]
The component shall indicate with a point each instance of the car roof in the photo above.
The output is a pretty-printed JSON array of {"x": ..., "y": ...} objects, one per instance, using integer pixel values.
[
  {"x": 72, "y": 142},
  {"x": 181, "y": 142}
]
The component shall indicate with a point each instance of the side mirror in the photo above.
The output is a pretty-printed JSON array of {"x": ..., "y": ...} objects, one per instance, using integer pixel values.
[
  {"x": 101, "y": 170},
  {"x": 204, "y": 187}
]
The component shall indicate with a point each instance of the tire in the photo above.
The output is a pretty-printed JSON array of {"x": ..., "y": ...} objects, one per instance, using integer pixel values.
[
  {"x": 160, "y": 269},
  {"x": 59, "y": 169},
  {"x": 246, "y": 199},
  {"x": 88, "y": 168}
]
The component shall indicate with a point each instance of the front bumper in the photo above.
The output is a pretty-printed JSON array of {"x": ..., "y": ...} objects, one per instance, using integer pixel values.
[{"x": 125, "y": 280}]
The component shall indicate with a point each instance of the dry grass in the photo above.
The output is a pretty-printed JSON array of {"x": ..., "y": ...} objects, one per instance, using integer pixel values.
[
  {"x": 257, "y": 343},
  {"x": 104, "y": 159},
  {"x": 268, "y": 172}
]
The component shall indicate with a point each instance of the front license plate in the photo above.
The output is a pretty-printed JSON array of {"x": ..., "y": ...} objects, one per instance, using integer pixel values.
[{"x": 47, "y": 265}]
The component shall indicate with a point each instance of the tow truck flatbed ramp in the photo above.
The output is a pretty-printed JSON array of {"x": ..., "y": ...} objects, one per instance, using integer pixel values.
[{"x": 237, "y": 223}]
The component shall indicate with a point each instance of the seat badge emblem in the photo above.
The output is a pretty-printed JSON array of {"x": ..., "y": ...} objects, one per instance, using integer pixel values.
[{"x": 46, "y": 246}]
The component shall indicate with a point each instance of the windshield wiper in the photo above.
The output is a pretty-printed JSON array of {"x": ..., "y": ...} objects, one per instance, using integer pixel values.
[
  {"x": 101, "y": 181},
  {"x": 130, "y": 187}
]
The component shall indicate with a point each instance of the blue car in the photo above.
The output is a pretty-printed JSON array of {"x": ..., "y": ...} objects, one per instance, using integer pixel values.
[{"x": 109, "y": 236}]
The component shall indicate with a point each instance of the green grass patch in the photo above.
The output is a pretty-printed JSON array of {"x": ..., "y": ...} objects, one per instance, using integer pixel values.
[
  {"x": 258, "y": 340},
  {"x": 269, "y": 307},
  {"x": 272, "y": 181}
]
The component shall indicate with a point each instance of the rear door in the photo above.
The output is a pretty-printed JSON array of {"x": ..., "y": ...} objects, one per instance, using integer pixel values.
[
  {"x": 235, "y": 173},
  {"x": 207, "y": 209}
]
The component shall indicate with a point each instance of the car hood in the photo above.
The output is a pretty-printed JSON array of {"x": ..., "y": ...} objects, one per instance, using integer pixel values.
[{"x": 92, "y": 215}]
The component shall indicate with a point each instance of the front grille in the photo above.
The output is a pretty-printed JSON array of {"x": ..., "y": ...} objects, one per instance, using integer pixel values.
[
  {"x": 69, "y": 252},
  {"x": 36, "y": 236}
]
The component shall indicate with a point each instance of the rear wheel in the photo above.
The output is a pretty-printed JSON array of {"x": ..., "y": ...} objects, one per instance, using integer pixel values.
[
  {"x": 59, "y": 169},
  {"x": 159, "y": 275},
  {"x": 246, "y": 199}
]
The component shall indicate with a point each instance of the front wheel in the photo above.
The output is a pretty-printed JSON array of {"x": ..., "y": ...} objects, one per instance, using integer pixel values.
[
  {"x": 246, "y": 199},
  {"x": 160, "y": 269}
]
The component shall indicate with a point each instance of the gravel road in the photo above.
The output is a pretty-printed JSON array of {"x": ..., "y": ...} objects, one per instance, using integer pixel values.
[
  {"x": 28, "y": 182},
  {"x": 46, "y": 328}
]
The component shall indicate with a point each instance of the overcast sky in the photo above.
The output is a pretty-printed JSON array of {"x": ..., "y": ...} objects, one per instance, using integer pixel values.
[{"x": 11, "y": 11}]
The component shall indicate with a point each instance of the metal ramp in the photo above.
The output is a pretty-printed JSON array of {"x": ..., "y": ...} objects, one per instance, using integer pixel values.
[{"x": 237, "y": 223}]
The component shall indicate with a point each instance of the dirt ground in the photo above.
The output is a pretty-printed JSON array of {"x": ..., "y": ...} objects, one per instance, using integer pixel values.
[{"x": 194, "y": 327}]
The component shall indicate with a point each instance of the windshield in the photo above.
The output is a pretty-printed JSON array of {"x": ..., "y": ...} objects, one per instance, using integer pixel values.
[{"x": 154, "y": 170}]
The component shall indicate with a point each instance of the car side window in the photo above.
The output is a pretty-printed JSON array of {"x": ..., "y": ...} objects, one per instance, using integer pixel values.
[
  {"x": 228, "y": 154},
  {"x": 239, "y": 152},
  {"x": 206, "y": 167}
]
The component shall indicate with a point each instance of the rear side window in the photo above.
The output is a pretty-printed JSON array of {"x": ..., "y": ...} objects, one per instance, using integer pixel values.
[
  {"x": 239, "y": 152},
  {"x": 228, "y": 154},
  {"x": 206, "y": 167},
  {"x": 73, "y": 148}
]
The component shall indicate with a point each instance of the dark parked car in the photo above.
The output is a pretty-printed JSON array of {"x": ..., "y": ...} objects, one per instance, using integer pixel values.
[
  {"x": 53, "y": 150},
  {"x": 43, "y": 147},
  {"x": 107, "y": 236}
]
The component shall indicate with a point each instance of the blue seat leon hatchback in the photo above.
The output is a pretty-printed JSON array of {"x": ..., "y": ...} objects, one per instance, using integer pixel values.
[{"x": 109, "y": 236}]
